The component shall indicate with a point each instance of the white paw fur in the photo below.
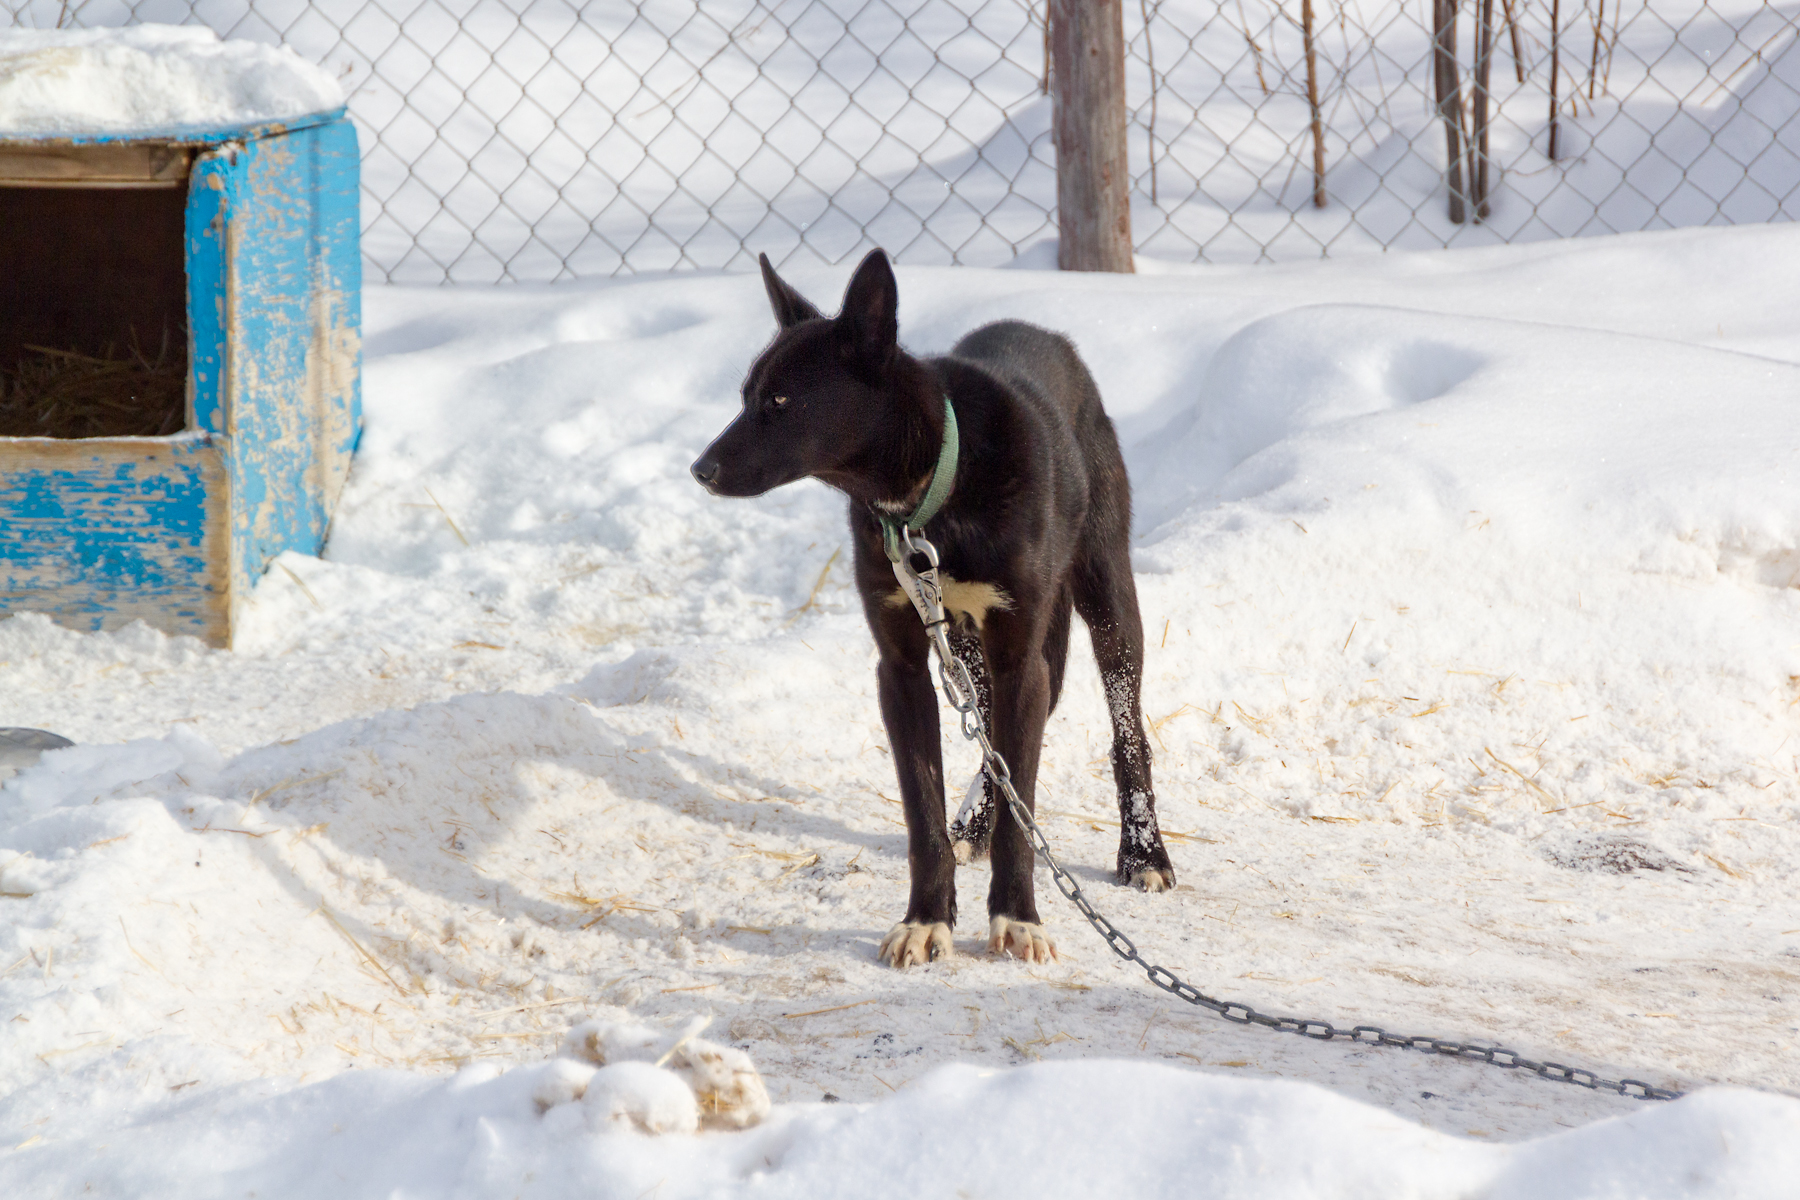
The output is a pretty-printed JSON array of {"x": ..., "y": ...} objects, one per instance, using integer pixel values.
[
  {"x": 964, "y": 852},
  {"x": 906, "y": 944},
  {"x": 1150, "y": 880},
  {"x": 1021, "y": 939}
]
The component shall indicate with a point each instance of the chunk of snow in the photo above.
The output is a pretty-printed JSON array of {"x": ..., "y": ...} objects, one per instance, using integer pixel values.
[
  {"x": 603, "y": 1042},
  {"x": 642, "y": 1096},
  {"x": 151, "y": 78},
  {"x": 724, "y": 1080},
  {"x": 564, "y": 1080}
]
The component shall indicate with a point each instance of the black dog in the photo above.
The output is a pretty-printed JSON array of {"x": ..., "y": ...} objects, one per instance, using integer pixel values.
[{"x": 1037, "y": 522}]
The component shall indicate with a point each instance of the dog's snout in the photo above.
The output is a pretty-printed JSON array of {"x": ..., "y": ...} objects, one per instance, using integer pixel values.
[{"x": 705, "y": 471}]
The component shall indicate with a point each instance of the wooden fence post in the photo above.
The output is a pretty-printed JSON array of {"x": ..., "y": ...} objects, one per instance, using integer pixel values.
[
  {"x": 1555, "y": 68},
  {"x": 1447, "y": 76},
  {"x": 1312, "y": 103},
  {"x": 1484, "y": 61},
  {"x": 1087, "y": 104}
]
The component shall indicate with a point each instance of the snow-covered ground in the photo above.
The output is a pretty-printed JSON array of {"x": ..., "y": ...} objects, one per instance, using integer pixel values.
[{"x": 1470, "y": 588}]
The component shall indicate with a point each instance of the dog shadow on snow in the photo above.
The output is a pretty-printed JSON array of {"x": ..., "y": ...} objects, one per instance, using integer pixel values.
[{"x": 425, "y": 793}]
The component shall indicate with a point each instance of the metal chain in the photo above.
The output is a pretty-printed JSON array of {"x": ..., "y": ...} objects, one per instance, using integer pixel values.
[{"x": 923, "y": 590}]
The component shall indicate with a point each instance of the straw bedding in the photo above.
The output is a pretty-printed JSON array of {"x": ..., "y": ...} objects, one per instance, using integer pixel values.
[{"x": 63, "y": 394}]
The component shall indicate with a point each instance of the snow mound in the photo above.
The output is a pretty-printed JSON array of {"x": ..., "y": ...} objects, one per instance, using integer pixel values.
[
  {"x": 1050, "y": 1131},
  {"x": 1472, "y": 413},
  {"x": 148, "y": 78}
]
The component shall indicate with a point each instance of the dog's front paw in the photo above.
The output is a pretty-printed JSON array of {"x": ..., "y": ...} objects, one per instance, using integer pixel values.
[
  {"x": 907, "y": 944},
  {"x": 1152, "y": 879},
  {"x": 1023, "y": 940}
]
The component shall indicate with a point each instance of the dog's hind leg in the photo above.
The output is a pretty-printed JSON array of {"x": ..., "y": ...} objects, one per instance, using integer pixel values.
[
  {"x": 972, "y": 832},
  {"x": 1056, "y": 644},
  {"x": 1106, "y": 598}
]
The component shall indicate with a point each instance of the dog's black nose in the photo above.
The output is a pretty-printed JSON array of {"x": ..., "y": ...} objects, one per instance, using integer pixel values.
[{"x": 705, "y": 472}]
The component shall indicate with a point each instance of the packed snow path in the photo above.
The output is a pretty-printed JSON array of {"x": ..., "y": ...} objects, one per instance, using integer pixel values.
[{"x": 1470, "y": 589}]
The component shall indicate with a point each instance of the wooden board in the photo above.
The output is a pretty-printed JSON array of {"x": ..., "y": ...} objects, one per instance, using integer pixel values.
[
  {"x": 106, "y": 164},
  {"x": 104, "y": 531}
]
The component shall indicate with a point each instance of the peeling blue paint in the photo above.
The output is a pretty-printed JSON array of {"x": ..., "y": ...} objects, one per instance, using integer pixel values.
[
  {"x": 113, "y": 529},
  {"x": 210, "y": 185},
  {"x": 177, "y": 530},
  {"x": 292, "y": 322},
  {"x": 107, "y": 521}
]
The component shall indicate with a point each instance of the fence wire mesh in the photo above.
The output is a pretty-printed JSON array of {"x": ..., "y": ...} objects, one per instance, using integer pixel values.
[
  {"x": 1599, "y": 117},
  {"x": 549, "y": 139}
]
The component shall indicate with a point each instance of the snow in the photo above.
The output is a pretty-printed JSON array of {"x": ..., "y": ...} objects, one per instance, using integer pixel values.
[
  {"x": 23, "y": 747},
  {"x": 1469, "y": 582},
  {"x": 150, "y": 79},
  {"x": 1063, "y": 1131}
]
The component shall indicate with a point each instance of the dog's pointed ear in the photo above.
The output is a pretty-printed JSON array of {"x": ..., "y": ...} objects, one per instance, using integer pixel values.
[
  {"x": 871, "y": 310},
  {"x": 790, "y": 306}
]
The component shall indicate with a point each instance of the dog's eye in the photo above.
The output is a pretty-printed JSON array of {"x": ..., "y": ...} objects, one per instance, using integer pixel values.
[{"x": 779, "y": 401}]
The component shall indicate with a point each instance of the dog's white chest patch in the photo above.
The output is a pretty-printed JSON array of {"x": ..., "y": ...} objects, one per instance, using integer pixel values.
[{"x": 966, "y": 601}]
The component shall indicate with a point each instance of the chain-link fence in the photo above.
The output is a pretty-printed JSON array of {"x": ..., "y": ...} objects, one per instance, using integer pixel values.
[
  {"x": 1581, "y": 116},
  {"x": 544, "y": 139}
]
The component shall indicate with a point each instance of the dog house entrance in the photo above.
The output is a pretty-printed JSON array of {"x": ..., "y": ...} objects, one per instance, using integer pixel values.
[{"x": 93, "y": 290}]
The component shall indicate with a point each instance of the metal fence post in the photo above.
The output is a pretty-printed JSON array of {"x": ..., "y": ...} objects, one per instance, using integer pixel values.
[{"x": 1087, "y": 98}]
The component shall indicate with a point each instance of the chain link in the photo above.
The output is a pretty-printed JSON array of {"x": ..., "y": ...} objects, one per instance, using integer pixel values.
[
  {"x": 959, "y": 690},
  {"x": 538, "y": 140}
]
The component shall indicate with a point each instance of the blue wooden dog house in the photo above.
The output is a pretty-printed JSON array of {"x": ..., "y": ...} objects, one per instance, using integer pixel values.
[{"x": 236, "y": 249}]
